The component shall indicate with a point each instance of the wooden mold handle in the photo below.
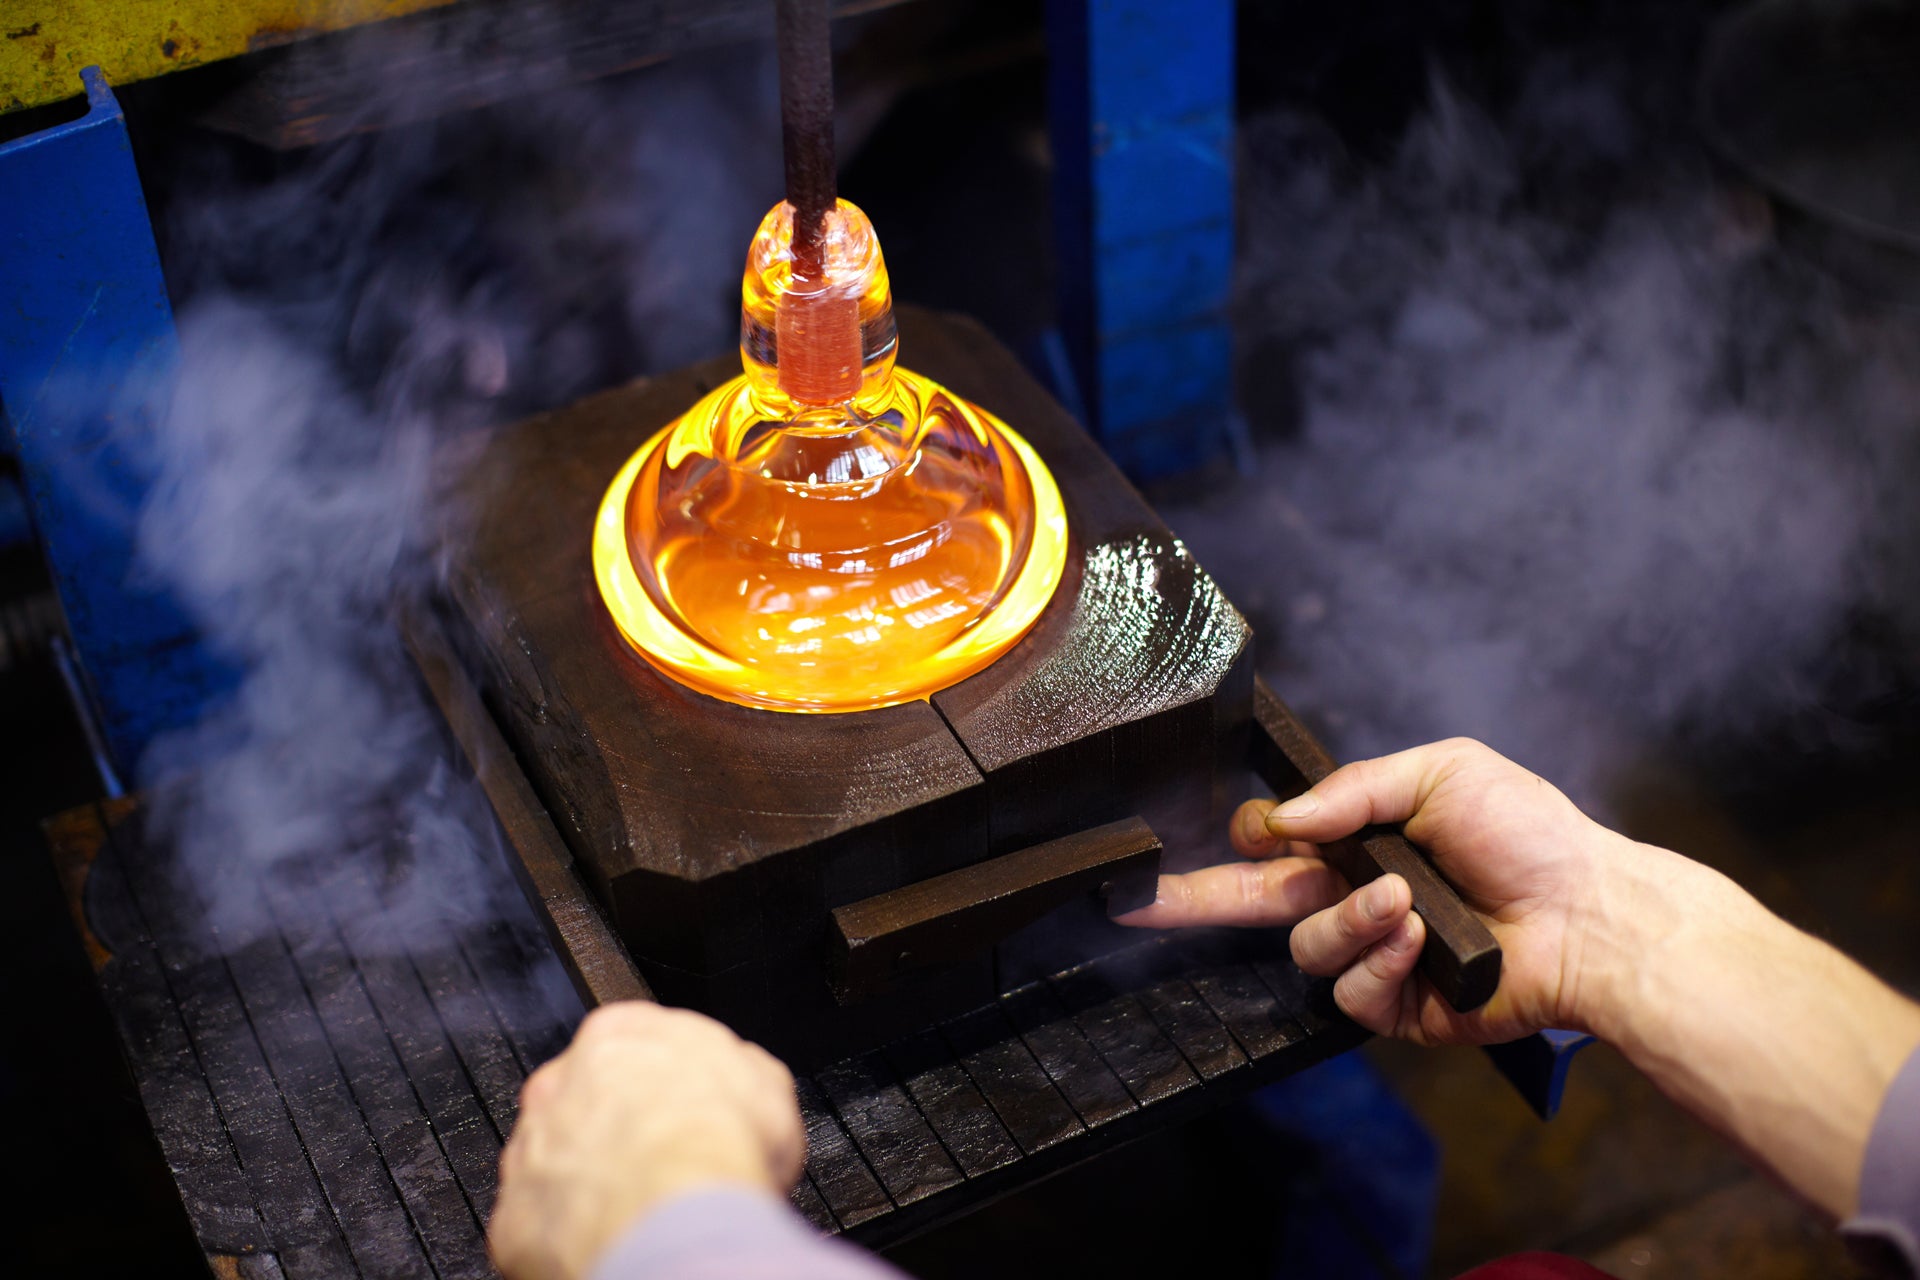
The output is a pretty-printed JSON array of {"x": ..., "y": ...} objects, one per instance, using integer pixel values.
[
  {"x": 1460, "y": 958},
  {"x": 959, "y": 914}
]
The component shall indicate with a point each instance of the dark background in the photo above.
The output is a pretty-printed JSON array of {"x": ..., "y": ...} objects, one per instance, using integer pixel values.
[{"x": 1822, "y": 825}]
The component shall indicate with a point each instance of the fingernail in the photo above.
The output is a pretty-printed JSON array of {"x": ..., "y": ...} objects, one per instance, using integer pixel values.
[
  {"x": 1400, "y": 939},
  {"x": 1378, "y": 900},
  {"x": 1304, "y": 805}
]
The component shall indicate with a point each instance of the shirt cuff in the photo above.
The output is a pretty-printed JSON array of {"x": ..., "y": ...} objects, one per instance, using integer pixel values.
[
  {"x": 1884, "y": 1235},
  {"x": 731, "y": 1233}
]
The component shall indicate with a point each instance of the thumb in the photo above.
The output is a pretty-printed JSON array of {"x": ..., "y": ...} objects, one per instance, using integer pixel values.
[{"x": 1386, "y": 789}]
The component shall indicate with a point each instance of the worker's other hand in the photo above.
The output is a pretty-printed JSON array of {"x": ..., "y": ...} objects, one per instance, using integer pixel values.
[
  {"x": 646, "y": 1103},
  {"x": 1517, "y": 850}
]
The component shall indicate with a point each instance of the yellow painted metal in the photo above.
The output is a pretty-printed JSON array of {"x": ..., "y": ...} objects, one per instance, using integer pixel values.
[{"x": 44, "y": 43}]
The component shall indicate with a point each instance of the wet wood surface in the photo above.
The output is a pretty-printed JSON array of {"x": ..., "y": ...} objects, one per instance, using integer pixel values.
[
  {"x": 1134, "y": 687},
  {"x": 332, "y": 1096}
]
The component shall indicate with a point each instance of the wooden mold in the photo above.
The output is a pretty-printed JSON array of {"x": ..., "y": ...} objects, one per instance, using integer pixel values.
[{"x": 722, "y": 840}]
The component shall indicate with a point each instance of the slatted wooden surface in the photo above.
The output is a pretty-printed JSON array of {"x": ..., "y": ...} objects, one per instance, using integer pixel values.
[
  {"x": 332, "y": 1093},
  {"x": 1052, "y": 1074},
  {"x": 330, "y": 1089}
]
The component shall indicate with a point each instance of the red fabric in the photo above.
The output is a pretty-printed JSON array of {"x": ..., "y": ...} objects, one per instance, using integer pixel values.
[{"x": 1536, "y": 1266}]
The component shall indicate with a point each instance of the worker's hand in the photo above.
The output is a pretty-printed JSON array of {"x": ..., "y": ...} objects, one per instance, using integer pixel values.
[
  {"x": 647, "y": 1102},
  {"x": 1517, "y": 850},
  {"x": 1668, "y": 960}
]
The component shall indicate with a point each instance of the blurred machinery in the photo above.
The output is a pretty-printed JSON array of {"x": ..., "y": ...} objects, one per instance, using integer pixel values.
[{"x": 49, "y": 42}]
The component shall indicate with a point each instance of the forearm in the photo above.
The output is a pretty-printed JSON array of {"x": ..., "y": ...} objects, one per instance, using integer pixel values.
[{"x": 1767, "y": 1034}]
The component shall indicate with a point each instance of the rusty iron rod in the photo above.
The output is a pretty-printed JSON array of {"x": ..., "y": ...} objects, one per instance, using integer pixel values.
[{"x": 806, "y": 124}]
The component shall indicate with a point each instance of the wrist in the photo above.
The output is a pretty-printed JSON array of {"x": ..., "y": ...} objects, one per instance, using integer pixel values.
[
  {"x": 1641, "y": 935},
  {"x": 1764, "y": 1032}
]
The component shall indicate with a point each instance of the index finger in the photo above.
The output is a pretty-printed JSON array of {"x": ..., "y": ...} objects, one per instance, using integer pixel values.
[
  {"x": 1246, "y": 894},
  {"x": 1386, "y": 789}
]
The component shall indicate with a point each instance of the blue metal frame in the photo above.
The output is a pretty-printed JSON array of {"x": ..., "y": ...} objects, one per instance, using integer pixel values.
[
  {"x": 1142, "y": 119},
  {"x": 87, "y": 358},
  {"x": 1537, "y": 1066}
]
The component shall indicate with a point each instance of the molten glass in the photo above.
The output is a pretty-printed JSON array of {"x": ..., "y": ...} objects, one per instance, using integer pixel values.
[{"x": 827, "y": 532}]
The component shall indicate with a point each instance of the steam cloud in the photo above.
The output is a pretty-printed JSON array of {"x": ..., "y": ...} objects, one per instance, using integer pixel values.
[
  {"x": 340, "y": 324},
  {"x": 1569, "y": 472},
  {"x": 1574, "y": 468}
]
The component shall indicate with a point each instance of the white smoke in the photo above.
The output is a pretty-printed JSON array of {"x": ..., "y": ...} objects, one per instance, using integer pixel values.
[
  {"x": 1568, "y": 474},
  {"x": 1572, "y": 477},
  {"x": 381, "y": 301}
]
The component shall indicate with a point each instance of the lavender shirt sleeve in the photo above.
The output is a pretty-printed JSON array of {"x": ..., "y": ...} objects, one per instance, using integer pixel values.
[
  {"x": 732, "y": 1235},
  {"x": 1885, "y": 1234}
]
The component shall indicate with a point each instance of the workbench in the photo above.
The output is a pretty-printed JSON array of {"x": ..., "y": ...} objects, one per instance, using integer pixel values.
[
  {"x": 331, "y": 1096},
  {"x": 331, "y": 1084}
]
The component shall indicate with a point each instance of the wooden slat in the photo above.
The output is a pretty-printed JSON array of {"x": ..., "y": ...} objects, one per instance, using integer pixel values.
[
  {"x": 947, "y": 918},
  {"x": 809, "y": 1204},
  {"x": 944, "y": 1093},
  {"x": 1306, "y": 1000},
  {"x": 1146, "y": 1061},
  {"x": 889, "y": 1130},
  {"x": 1249, "y": 1009},
  {"x": 358, "y": 1187},
  {"x": 285, "y": 1186},
  {"x": 350, "y": 1060},
  {"x": 491, "y": 1066},
  {"x": 467, "y": 1135},
  {"x": 834, "y": 1164},
  {"x": 1193, "y": 1027},
  {"x": 260, "y": 1266},
  {"x": 173, "y": 1085},
  {"x": 1012, "y": 1081},
  {"x": 598, "y": 964},
  {"x": 1076, "y": 1068},
  {"x": 450, "y": 1226},
  {"x": 527, "y": 987}
]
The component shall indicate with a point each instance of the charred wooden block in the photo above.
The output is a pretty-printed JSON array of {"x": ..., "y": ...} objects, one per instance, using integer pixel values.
[
  {"x": 721, "y": 838},
  {"x": 1133, "y": 692},
  {"x": 942, "y": 920}
]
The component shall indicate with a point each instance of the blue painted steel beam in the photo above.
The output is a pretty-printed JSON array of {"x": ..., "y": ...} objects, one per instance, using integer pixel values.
[
  {"x": 1141, "y": 98},
  {"x": 1537, "y": 1066},
  {"x": 87, "y": 358}
]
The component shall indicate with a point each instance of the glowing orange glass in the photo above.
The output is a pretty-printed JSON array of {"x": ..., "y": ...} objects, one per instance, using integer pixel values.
[{"x": 827, "y": 532}]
